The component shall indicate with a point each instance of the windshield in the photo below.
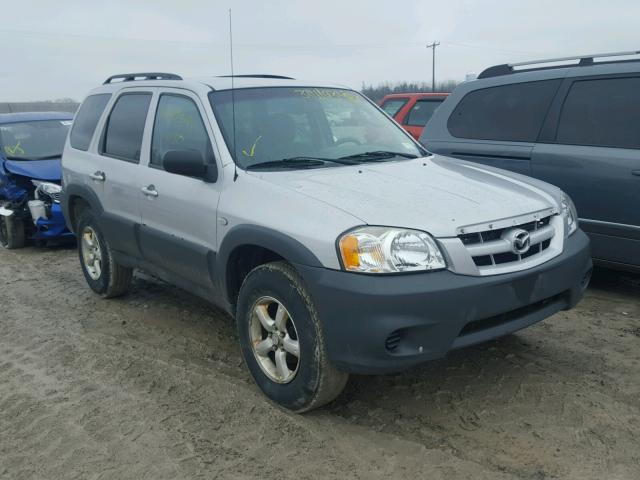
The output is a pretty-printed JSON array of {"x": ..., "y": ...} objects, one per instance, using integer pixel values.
[
  {"x": 299, "y": 124},
  {"x": 36, "y": 140}
]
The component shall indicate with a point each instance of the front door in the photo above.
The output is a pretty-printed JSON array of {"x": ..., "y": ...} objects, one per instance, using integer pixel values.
[{"x": 178, "y": 232}]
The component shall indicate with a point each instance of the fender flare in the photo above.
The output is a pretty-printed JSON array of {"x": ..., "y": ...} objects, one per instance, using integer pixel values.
[
  {"x": 253, "y": 235},
  {"x": 78, "y": 191}
]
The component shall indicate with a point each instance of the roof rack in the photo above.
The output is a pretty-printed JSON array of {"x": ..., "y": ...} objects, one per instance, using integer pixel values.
[
  {"x": 131, "y": 77},
  {"x": 583, "y": 61},
  {"x": 258, "y": 75}
]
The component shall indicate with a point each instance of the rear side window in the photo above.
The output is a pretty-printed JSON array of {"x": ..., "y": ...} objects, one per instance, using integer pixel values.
[
  {"x": 421, "y": 112},
  {"x": 178, "y": 126},
  {"x": 125, "y": 127},
  {"x": 602, "y": 113},
  {"x": 86, "y": 120},
  {"x": 509, "y": 112},
  {"x": 393, "y": 105}
]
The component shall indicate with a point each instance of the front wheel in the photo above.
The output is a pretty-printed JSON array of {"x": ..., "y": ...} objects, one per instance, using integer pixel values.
[
  {"x": 12, "y": 233},
  {"x": 282, "y": 341},
  {"x": 105, "y": 277}
]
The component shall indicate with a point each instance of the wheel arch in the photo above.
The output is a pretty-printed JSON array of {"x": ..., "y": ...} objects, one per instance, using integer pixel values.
[
  {"x": 245, "y": 247},
  {"x": 73, "y": 197}
]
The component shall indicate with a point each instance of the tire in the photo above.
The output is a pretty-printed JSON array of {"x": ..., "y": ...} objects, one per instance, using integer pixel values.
[
  {"x": 106, "y": 278},
  {"x": 12, "y": 233},
  {"x": 314, "y": 381}
]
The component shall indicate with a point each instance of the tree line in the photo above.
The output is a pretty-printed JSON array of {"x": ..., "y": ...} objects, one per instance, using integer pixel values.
[{"x": 376, "y": 93}]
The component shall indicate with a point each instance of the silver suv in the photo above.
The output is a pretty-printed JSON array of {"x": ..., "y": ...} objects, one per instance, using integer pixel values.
[{"x": 338, "y": 243}]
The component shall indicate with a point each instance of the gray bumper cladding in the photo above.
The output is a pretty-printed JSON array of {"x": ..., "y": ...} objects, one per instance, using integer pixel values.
[{"x": 378, "y": 324}]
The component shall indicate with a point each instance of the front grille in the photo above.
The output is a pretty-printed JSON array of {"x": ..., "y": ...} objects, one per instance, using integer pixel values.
[{"x": 493, "y": 247}]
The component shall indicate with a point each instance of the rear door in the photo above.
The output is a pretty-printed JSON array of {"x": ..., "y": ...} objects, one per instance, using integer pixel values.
[
  {"x": 117, "y": 168},
  {"x": 495, "y": 126},
  {"x": 178, "y": 231},
  {"x": 591, "y": 150}
]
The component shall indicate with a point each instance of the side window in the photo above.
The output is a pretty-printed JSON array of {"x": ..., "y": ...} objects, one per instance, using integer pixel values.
[
  {"x": 603, "y": 113},
  {"x": 509, "y": 112},
  {"x": 125, "y": 127},
  {"x": 421, "y": 112},
  {"x": 86, "y": 120},
  {"x": 178, "y": 126},
  {"x": 393, "y": 105}
]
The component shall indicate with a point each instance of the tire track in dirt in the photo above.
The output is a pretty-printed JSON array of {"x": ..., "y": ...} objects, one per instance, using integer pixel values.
[{"x": 152, "y": 386}]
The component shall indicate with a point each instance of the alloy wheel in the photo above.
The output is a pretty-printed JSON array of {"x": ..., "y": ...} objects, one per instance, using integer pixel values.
[
  {"x": 274, "y": 340},
  {"x": 91, "y": 253}
]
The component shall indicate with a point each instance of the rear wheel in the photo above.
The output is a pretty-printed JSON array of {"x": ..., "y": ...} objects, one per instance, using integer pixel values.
[
  {"x": 11, "y": 232},
  {"x": 103, "y": 274},
  {"x": 282, "y": 340}
]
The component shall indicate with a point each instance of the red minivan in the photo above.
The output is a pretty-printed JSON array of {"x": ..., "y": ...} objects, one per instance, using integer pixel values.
[{"x": 412, "y": 110}]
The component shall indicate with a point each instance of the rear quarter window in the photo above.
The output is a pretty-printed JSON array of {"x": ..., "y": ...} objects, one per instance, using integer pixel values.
[
  {"x": 86, "y": 120},
  {"x": 512, "y": 112},
  {"x": 603, "y": 113}
]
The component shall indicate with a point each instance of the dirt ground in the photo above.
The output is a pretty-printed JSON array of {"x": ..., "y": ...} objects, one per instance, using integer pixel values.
[{"x": 152, "y": 386}]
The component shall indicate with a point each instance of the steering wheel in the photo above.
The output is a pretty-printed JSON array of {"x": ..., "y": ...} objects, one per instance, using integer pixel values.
[{"x": 348, "y": 140}]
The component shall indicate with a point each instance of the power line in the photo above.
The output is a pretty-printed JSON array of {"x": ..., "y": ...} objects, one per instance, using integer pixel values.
[{"x": 495, "y": 49}]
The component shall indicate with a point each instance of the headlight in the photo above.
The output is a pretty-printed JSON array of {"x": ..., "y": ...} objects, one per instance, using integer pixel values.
[
  {"x": 389, "y": 250},
  {"x": 51, "y": 189},
  {"x": 570, "y": 214}
]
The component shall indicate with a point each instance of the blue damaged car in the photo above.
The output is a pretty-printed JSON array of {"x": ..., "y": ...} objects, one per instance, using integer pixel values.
[{"x": 30, "y": 149}]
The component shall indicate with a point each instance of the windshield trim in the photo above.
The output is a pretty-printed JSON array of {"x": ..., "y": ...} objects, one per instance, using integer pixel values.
[{"x": 230, "y": 149}]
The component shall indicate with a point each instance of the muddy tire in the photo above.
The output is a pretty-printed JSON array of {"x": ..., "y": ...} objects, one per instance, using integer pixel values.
[
  {"x": 282, "y": 341},
  {"x": 12, "y": 233},
  {"x": 105, "y": 277}
]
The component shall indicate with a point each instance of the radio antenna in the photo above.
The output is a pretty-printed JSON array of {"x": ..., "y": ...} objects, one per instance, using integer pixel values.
[{"x": 233, "y": 101}]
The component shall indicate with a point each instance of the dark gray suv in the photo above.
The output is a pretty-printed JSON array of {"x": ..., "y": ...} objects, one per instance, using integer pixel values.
[{"x": 572, "y": 122}]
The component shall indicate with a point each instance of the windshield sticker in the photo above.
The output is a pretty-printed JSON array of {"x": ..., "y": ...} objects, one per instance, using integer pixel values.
[
  {"x": 326, "y": 93},
  {"x": 252, "y": 151},
  {"x": 66, "y": 123},
  {"x": 16, "y": 149}
]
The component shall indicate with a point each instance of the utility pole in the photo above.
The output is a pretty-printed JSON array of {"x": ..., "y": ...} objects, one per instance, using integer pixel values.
[{"x": 433, "y": 46}]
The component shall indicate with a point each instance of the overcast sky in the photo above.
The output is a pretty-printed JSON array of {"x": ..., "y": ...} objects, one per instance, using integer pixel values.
[{"x": 63, "y": 48}]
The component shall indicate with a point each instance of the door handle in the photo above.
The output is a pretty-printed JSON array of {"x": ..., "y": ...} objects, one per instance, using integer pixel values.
[
  {"x": 635, "y": 172},
  {"x": 98, "y": 176},
  {"x": 150, "y": 191}
]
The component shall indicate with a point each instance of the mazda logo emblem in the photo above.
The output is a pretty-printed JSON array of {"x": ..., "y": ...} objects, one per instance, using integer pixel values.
[{"x": 519, "y": 239}]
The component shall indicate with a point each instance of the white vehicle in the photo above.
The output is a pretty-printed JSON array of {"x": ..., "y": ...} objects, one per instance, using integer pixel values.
[{"x": 336, "y": 241}]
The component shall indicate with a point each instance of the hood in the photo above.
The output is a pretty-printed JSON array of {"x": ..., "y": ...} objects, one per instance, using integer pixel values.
[
  {"x": 435, "y": 194},
  {"x": 36, "y": 169}
]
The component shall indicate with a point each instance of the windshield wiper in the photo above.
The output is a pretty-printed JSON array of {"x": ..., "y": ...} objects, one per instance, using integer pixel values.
[
  {"x": 299, "y": 162},
  {"x": 378, "y": 155}
]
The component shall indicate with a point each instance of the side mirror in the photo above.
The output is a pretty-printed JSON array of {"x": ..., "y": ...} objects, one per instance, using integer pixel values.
[{"x": 189, "y": 163}]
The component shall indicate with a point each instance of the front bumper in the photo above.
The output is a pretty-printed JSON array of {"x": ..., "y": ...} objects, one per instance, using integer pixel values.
[
  {"x": 378, "y": 324},
  {"x": 52, "y": 227}
]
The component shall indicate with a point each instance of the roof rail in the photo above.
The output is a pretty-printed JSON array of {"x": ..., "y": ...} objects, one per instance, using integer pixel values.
[
  {"x": 583, "y": 61},
  {"x": 130, "y": 77},
  {"x": 258, "y": 75}
]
